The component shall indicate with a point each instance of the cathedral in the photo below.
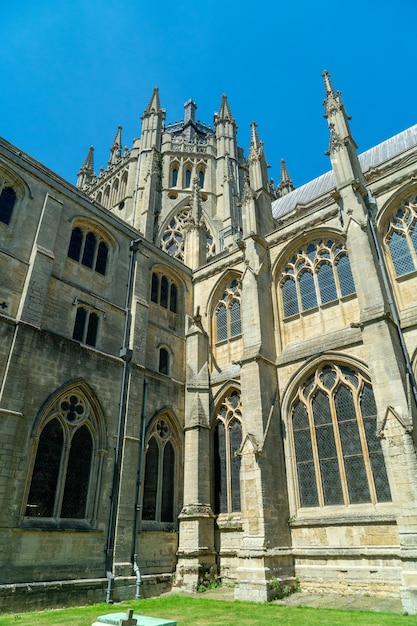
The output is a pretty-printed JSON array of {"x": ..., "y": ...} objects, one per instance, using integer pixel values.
[{"x": 207, "y": 376}]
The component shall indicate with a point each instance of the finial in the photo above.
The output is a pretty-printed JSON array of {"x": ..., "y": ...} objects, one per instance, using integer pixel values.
[
  {"x": 285, "y": 184},
  {"x": 116, "y": 147},
  {"x": 154, "y": 104},
  {"x": 328, "y": 84},
  {"x": 255, "y": 142},
  {"x": 86, "y": 173},
  {"x": 224, "y": 111}
]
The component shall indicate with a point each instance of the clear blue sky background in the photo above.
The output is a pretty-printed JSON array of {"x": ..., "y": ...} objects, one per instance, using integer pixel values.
[{"x": 72, "y": 70}]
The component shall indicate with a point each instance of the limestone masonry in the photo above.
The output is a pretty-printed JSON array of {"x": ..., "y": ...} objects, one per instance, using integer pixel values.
[{"x": 204, "y": 375}]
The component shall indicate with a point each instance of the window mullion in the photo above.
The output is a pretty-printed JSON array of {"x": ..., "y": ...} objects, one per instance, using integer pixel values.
[
  {"x": 364, "y": 445},
  {"x": 411, "y": 246},
  {"x": 316, "y": 283},
  {"x": 61, "y": 479}
]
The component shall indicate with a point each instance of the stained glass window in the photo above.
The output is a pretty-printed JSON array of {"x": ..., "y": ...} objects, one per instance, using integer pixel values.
[
  {"x": 318, "y": 274},
  {"x": 338, "y": 456}
]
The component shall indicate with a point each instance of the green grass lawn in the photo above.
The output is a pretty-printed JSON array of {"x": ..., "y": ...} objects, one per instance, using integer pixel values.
[{"x": 191, "y": 611}]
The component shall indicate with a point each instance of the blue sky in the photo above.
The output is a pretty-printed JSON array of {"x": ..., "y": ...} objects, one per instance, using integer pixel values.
[{"x": 73, "y": 70}]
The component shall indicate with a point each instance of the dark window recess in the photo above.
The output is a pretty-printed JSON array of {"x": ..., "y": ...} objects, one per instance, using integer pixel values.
[
  {"x": 167, "y": 499},
  {"x": 164, "y": 292},
  {"x": 86, "y": 247},
  {"x": 76, "y": 242},
  {"x": 41, "y": 500},
  {"x": 85, "y": 327},
  {"x": 187, "y": 178},
  {"x": 163, "y": 361},
  {"x": 173, "y": 298},
  {"x": 174, "y": 177},
  {"x": 78, "y": 474},
  {"x": 155, "y": 288},
  {"x": 7, "y": 202},
  {"x": 220, "y": 484},
  {"x": 80, "y": 320},
  {"x": 201, "y": 180},
  {"x": 151, "y": 481}
]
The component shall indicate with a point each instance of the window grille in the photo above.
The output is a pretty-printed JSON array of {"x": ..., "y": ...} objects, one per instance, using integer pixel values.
[
  {"x": 61, "y": 476},
  {"x": 338, "y": 456},
  {"x": 160, "y": 475},
  {"x": 401, "y": 237},
  {"x": 87, "y": 248},
  {"x": 317, "y": 274},
  {"x": 7, "y": 202},
  {"x": 227, "y": 442},
  {"x": 228, "y": 314}
]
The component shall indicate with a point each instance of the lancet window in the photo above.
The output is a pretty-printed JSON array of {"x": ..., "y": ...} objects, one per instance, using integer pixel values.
[
  {"x": 164, "y": 292},
  {"x": 85, "y": 326},
  {"x": 89, "y": 249},
  {"x": 160, "y": 474},
  {"x": 227, "y": 314},
  {"x": 227, "y": 442},
  {"x": 64, "y": 474},
  {"x": 7, "y": 202},
  {"x": 401, "y": 237},
  {"x": 338, "y": 455},
  {"x": 316, "y": 274}
]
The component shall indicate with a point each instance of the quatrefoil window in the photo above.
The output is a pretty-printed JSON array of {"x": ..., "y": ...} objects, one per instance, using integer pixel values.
[
  {"x": 163, "y": 429},
  {"x": 72, "y": 409}
]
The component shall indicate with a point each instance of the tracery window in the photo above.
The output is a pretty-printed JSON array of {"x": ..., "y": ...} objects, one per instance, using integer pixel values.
[
  {"x": 86, "y": 247},
  {"x": 338, "y": 455},
  {"x": 227, "y": 442},
  {"x": 85, "y": 326},
  {"x": 160, "y": 475},
  {"x": 401, "y": 237},
  {"x": 227, "y": 314},
  {"x": 172, "y": 240},
  {"x": 7, "y": 202},
  {"x": 61, "y": 484},
  {"x": 317, "y": 274},
  {"x": 164, "y": 292}
]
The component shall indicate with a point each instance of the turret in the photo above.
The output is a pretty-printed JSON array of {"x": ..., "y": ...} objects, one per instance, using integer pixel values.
[
  {"x": 342, "y": 147},
  {"x": 86, "y": 173},
  {"x": 152, "y": 123}
]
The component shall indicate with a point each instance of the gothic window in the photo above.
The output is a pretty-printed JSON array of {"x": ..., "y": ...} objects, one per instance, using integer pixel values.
[
  {"x": 201, "y": 180},
  {"x": 164, "y": 292},
  {"x": 187, "y": 178},
  {"x": 227, "y": 442},
  {"x": 401, "y": 237},
  {"x": 7, "y": 202},
  {"x": 85, "y": 326},
  {"x": 319, "y": 273},
  {"x": 86, "y": 247},
  {"x": 174, "y": 177},
  {"x": 160, "y": 473},
  {"x": 338, "y": 455},
  {"x": 61, "y": 483},
  {"x": 172, "y": 240},
  {"x": 227, "y": 315},
  {"x": 163, "y": 367}
]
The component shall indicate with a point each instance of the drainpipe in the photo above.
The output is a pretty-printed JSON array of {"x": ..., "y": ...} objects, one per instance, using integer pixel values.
[
  {"x": 370, "y": 203},
  {"x": 136, "y": 526},
  {"x": 126, "y": 355}
]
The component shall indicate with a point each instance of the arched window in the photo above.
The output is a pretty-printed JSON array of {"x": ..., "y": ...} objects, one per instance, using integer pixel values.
[
  {"x": 163, "y": 367},
  {"x": 319, "y": 273},
  {"x": 338, "y": 455},
  {"x": 401, "y": 237},
  {"x": 172, "y": 240},
  {"x": 86, "y": 247},
  {"x": 201, "y": 179},
  {"x": 7, "y": 202},
  {"x": 187, "y": 178},
  {"x": 61, "y": 483},
  {"x": 174, "y": 180},
  {"x": 160, "y": 475},
  {"x": 164, "y": 292},
  {"x": 227, "y": 442},
  {"x": 227, "y": 315},
  {"x": 85, "y": 326}
]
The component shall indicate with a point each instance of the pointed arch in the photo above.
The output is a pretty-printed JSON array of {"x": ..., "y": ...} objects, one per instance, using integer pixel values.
[{"x": 68, "y": 443}]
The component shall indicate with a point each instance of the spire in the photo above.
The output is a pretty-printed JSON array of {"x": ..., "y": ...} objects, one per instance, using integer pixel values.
[
  {"x": 285, "y": 183},
  {"x": 86, "y": 173},
  {"x": 258, "y": 168},
  {"x": 255, "y": 141},
  {"x": 224, "y": 111},
  {"x": 116, "y": 148},
  {"x": 154, "y": 104},
  {"x": 342, "y": 148}
]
